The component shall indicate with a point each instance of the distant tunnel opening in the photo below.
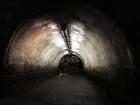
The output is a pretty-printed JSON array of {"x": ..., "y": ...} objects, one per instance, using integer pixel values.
[{"x": 70, "y": 63}]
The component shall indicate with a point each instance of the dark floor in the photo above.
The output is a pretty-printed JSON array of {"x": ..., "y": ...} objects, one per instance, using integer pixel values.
[{"x": 67, "y": 89}]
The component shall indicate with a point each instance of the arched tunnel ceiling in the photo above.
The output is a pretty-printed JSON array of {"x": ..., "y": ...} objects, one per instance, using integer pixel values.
[{"x": 91, "y": 36}]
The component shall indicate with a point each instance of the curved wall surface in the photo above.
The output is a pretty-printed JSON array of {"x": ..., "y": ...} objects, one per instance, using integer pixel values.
[{"x": 90, "y": 35}]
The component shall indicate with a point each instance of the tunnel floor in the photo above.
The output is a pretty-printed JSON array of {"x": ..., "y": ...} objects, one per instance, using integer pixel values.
[{"x": 69, "y": 89}]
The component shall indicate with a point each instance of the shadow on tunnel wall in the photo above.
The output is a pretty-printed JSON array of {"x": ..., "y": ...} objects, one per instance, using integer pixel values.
[
  {"x": 119, "y": 83},
  {"x": 17, "y": 77}
]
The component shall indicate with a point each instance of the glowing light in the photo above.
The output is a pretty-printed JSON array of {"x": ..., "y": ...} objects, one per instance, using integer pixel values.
[
  {"x": 76, "y": 34},
  {"x": 52, "y": 26},
  {"x": 66, "y": 52},
  {"x": 57, "y": 39}
]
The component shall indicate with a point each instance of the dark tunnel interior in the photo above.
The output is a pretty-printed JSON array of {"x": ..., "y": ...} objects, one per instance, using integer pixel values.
[
  {"x": 69, "y": 52},
  {"x": 70, "y": 63}
]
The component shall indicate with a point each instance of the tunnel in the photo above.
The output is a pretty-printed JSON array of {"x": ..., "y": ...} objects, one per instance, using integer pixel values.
[
  {"x": 77, "y": 57},
  {"x": 86, "y": 34},
  {"x": 70, "y": 63}
]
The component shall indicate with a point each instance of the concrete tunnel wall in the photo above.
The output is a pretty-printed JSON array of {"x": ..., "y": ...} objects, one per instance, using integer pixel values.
[{"x": 39, "y": 42}]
